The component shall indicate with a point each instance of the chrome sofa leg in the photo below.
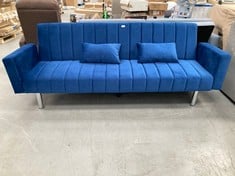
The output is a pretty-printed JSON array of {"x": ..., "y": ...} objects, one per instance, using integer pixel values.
[
  {"x": 194, "y": 98},
  {"x": 40, "y": 100}
]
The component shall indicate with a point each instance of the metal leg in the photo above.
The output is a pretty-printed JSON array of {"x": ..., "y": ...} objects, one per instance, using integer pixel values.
[
  {"x": 40, "y": 101},
  {"x": 194, "y": 98}
]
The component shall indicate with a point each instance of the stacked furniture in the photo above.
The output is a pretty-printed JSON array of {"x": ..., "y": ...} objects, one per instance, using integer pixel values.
[
  {"x": 9, "y": 22},
  {"x": 94, "y": 9},
  {"x": 116, "y": 57},
  {"x": 91, "y": 10}
]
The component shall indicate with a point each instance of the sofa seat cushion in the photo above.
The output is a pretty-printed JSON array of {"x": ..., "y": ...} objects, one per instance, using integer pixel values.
[{"x": 128, "y": 76}]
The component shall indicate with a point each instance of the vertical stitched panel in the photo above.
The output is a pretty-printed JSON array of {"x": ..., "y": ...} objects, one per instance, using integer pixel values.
[
  {"x": 100, "y": 32},
  {"x": 166, "y": 77},
  {"x": 58, "y": 77},
  {"x": 99, "y": 78},
  {"x": 43, "y": 41},
  {"x": 158, "y": 33},
  {"x": 89, "y": 32},
  {"x": 191, "y": 41},
  {"x": 125, "y": 76},
  {"x": 152, "y": 77},
  {"x": 135, "y": 37},
  {"x": 181, "y": 33},
  {"x": 72, "y": 41},
  {"x": 173, "y": 77},
  {"x": 180, "y": 79},
  {"x": 193, "y": 77},
  {"x": 66, "y": 42},
  {"x": 112, "y": 33},
  {"x": 44, "y": 78},
  {"x": 31, "y": 78},
  {"x": 147, "y": 33},
  {"x": 206, "y": 78},
  {"x": 77, "y": 33},
  {"x": 85, "y": 78},
  {"x": 139, "y": 77},
  {"x": 66, "y": 76},
  {"x": 112, "y": 78},
  {"x": 169, "y": 32},
  {"x": 124, "y": 40},
  {"x": 72, "y": 76},
  {"x": 55, "y": 47}
]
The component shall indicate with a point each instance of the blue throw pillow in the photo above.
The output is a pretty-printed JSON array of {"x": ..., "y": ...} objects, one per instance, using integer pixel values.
[
  {"x": 101, "y": 53},
  {"x": 157, "y": 52}
]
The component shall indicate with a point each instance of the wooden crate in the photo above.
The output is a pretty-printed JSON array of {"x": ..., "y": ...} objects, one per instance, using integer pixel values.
[
  {"x": 9, "y": 22},
  {"x": 70, "y": 2},
  {"x": 9, "y": 28},
  {"x": 89, "y": 12},
  {"x": 12, "y": 35},
  {"x": 155, "y": 13},
  {"x": 96, "y": 5},
  {"x": 158, "y": 6},
  {"x": 5, "y": 3}
]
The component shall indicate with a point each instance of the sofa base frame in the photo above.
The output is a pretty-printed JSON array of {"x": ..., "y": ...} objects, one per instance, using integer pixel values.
[{"x": 41, "y": 104}]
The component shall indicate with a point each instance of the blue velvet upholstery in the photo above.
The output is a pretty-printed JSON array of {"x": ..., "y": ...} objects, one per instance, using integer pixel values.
[
  {"x": 54, "y": 65},
  {"x": 157, "y": 52},
  {"x": 214, "y": 61},
  {"x": 20, "y": 62},
  {"x": 55, "y": 45},
  {"x": 101, "y": 53},
  {"x": 128, "y": 76}
]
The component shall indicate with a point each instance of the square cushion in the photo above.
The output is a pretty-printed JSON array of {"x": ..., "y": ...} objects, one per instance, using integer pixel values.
[
  {"x": 157, "y": 52},
  {"x": 101, "y": 53}
]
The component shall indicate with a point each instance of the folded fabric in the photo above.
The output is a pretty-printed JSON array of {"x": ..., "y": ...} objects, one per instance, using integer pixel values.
[
  {"x": 157, "y": 52},
  {"x": 101, "y": 53}
]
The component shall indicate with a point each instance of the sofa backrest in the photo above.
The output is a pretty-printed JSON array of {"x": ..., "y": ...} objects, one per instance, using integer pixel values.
[{"x": 63, "y": 41}]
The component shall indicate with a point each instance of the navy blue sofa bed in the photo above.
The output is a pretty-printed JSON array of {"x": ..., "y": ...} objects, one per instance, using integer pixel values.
[{"x": 116, "y": 57}]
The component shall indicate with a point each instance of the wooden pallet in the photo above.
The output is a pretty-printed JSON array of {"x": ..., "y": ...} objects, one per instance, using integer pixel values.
[{"x": 11, "y": 36}]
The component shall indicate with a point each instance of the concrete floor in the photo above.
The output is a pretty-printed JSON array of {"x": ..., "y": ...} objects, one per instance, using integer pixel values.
[{"x": 102, "y": 135}]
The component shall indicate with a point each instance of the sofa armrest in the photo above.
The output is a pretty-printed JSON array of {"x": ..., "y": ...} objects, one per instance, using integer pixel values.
[
  {"x": 215, "y": 61},
  {"x": 20, "y": 62}
]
